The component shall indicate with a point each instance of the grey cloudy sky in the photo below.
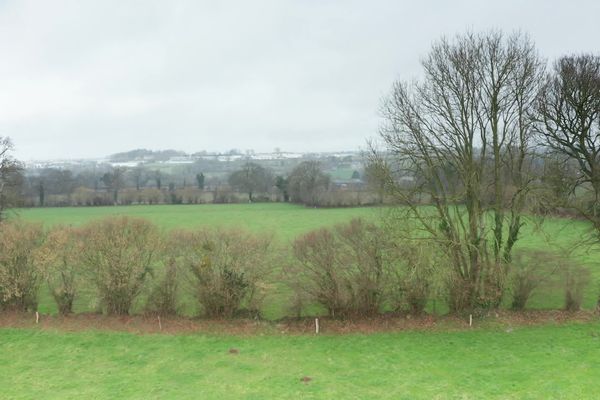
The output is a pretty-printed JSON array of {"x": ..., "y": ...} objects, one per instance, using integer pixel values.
[{"x": 89, "y": 78}]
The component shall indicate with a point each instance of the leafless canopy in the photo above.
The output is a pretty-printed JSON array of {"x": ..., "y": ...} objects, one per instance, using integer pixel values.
[
  {"x": 569, "y": 119},
  {"x": 462, "y": 136}
]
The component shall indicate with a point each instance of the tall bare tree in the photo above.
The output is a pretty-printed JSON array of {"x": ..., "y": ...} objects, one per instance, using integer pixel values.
[
  {"x": 463, "y": 136},
  {"x": 569, "y": 121}
]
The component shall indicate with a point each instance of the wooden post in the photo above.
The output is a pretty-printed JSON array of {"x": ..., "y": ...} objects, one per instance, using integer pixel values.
[
  {"x": 37, "y": 317},
  {"x": 159, "y": 324},
  {"x": 471, "y": 320},
  {"x": 317, "y": 326}
]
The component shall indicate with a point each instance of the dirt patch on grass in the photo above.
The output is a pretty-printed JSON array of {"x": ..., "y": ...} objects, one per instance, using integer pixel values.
[{"x": 305, "y": 326}]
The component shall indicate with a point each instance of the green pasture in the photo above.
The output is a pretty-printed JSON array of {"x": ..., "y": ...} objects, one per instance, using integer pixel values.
[
  {"x": 490, "y": 361},
  {"x": 285, "y": 221},
  {"x": 546, "y": 362}
]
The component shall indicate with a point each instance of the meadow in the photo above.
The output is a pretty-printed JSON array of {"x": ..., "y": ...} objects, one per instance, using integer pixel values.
[
  {"x": 543, "y": 362},
  {"x": 284, "y": 221}
]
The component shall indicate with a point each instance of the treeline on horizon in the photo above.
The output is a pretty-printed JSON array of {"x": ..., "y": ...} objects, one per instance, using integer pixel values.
[
  {"x": 300, "y": 181},
  {"x": 314, "y": 181}
]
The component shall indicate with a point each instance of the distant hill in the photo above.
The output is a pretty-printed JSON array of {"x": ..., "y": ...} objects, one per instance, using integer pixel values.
[{"x": 145, "y": 155}]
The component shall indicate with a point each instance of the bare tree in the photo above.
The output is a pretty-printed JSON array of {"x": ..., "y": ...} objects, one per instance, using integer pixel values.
[
  {"x": 252, "y": 178},
  {"x": 376, "y": 174},
  {"x": 307, "y": 182},
  {"x": 11, "y": 178},
  {"x": 569, "y": 121},
  {"x": 114, "y": 182},
  {"x": 461, "y": 140},
  {"x": 138, "y": 176}
]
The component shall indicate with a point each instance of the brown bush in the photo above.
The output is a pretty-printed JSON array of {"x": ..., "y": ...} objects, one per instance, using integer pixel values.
[
  {"x": 343, "y": 269},
  {"x": 228, "y": 269},
  {"x": 317, "y": 272},
  {"x": 530, "y": 269},
  {"x": 60, "y": 257},
  {"x": 576, "y": 278},
  {"x": 363, "y": 252},
  {"x": 414, "y": 272},
  {"x": 20, "y": 274},
  {"x": 163, "y": 297},
  {"x": 118, "y": 255}
]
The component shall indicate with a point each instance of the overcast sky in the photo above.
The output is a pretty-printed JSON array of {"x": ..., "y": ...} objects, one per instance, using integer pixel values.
[{"x": 90, "y": 78}]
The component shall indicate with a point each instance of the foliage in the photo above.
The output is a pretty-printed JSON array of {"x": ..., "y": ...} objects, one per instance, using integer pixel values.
[
  {"x": 163, "y": 297},
  {"x": 228, "y": 269},
  {"x": 119, "y": 254},
  {"x": 20, "y": 273},
  {"x": 576, "y": 278},
  {"x": 307, "y": 182},
  {"x": 288, "y": 221},
  {"x": 416, "y": 275},
  {"x": 61, "y": 258},
  {"x": 531, "y": 269},
  {"x": 251, "y": 179},
  {"x": 343, "y": 269}
]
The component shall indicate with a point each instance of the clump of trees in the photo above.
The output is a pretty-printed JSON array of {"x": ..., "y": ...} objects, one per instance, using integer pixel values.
[
  {"x": 251, "y": 178},
  {"x": 463, "y": 140},
  {"x": 307, "y": 183}
]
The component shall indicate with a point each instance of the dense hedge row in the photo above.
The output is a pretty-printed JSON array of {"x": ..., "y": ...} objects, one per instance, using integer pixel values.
[{"x": 354, "y": 269}]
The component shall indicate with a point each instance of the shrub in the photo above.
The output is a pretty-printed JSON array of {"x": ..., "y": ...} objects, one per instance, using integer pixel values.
[
  {"x": 20, "y": 274},
  {"x": 228, "y": 269},
  {"x": 576, "y": 279},
  {"x": 118, "y": 254},
  {"x": 163, "y": 298},
  {"x": 414, "y": 271},
  {"x": 363, "y": 248},
  {"x": 60, "y": 256},
  {"x": 530, "y": 269},
  {"x": 342, "y": 269},
  {"x": 317, "y": 273}
]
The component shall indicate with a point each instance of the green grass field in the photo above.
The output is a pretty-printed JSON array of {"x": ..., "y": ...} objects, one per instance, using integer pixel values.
[
  {"x": 548, "y": 362},
  {"x": 285, "y": 221},
  {"x": 491, "y": 362}
]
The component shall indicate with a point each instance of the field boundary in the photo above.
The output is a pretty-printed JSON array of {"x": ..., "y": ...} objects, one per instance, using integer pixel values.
[{"x": 146, "y": 324}]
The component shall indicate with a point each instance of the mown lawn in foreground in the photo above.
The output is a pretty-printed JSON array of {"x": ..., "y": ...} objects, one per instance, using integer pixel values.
[{"x": 545, "y": 362}]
